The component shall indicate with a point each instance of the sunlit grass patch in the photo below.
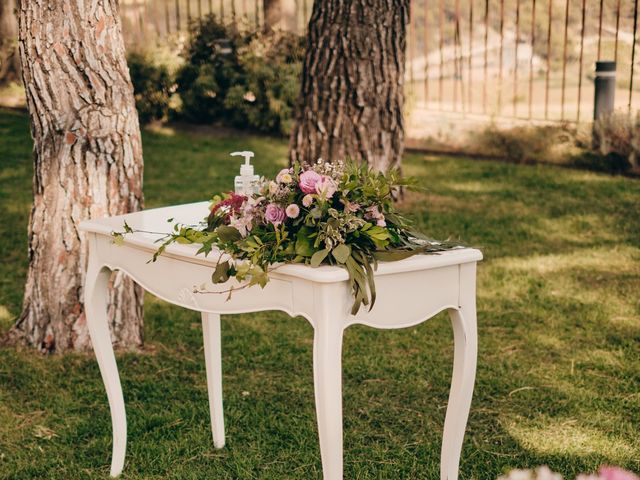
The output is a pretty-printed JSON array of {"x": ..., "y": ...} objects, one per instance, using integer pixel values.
[{"x": 565, "y": 436}]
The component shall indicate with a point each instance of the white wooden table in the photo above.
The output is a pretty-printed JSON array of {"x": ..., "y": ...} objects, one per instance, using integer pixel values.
[{"x": 409, "y": 292}]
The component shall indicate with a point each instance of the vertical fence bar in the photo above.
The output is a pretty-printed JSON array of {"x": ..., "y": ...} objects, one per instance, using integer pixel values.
[
  {"x": 199, "y": 8},
  {"x": 167, "y": 19},
  {"x": 233, "y": 13},
  {"x": 188, "y": 12},
  {"x": 456, "y": 58},
  {"x": 257, "y": 13},
  {"x": 245, "y": 11},
  {"x": 600, "y": 29},
  {"x": 486, "y": 53},
  {"x": 548, "y": 73},
  {"x": 305, "y": 15},
  {"x": 441, "y": 69},
  {"x": 564, "y": 59},
  {"x": 515, "y": 62},
  {"x": 533, "y": 44},
  {"x": 412, "y": 48},
  {"x": 615, "y": 48},
  {"x": 633, "y": 51},
  {"x": 501, "y": 56},
  {"x": 222, "y": 11},
  {"x": 210, "y": 7},
  {"x": 584, "y": 6},
  {"x": 469, "y": 63},
  {"x": 425, "y": 39},
  {"x": 177, "y": 15}
]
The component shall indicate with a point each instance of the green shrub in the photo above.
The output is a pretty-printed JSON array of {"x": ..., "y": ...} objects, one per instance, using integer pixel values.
[
  {"x": 616, "y": 139},
  {"x": 522, "y": 144},
  {"x": 266, "y": 100},
  {"x": 246, "y": 80},
  {"x": 211, "y": 68},
  {"x": 152, "y": 86}
]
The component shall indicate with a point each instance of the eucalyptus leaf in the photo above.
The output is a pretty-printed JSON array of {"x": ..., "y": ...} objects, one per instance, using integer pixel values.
[
  {"x": 341, "y": 253},
  {"x": 318, "y": 257}
]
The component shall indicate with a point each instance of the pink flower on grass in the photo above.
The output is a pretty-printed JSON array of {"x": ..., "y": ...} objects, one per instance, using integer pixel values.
[
  {"x": 308, "y": 181},
  {"x": 326, "y": 187},
  {"x": 274, "y": 214},
  {"x": 615, "y": 473},
  {"x": 292, "y": 211}
]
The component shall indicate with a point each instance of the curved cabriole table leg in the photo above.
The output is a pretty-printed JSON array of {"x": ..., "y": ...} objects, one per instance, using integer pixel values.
[
  {"x": 96, "y": 294},
  {"x": 465, "y": 336}
]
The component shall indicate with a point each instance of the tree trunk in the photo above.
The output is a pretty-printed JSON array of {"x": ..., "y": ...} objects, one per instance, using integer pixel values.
[
  {"x": 88, "y": 163},
  {"x": 9, "y": 57},
  {"x": 351, "y": 99},
  {"x": 279, "y": 15}
]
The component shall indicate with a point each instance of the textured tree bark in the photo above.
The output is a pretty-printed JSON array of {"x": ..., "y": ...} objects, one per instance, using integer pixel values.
[
  {"x": 351, "y": 99},
  {"x": 88, "y": 163},
  {"x": 9, "y": 58}
]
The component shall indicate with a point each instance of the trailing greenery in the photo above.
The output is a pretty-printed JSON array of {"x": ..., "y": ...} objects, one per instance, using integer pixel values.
[
  {"x": 558, "y": 324},
  {"x": 332, "y": 214}
]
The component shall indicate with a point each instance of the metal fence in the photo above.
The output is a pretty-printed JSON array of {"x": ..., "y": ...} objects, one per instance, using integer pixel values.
[
  {"x": 514, "y": 59},
  {"x": 525, "y": 59}
]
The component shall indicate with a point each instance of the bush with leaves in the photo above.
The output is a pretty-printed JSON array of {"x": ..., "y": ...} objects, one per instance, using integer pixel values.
[
  {"x": 617, "y": 140},
  {"x": 211, "y": 67},
  {"x": 272, "y": 66},
  {"x": 244, "y": 79},
  {"x": 152, "y": 86}
]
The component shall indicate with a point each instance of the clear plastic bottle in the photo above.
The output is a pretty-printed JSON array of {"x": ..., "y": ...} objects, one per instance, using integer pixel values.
[{"x": 247, "y": 183}]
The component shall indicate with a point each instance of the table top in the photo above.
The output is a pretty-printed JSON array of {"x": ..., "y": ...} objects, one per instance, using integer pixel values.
[{"x": 156, "y": 220}]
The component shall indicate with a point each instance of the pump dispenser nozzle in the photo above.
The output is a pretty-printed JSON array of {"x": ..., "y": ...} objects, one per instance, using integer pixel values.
[
  {"x": 247, "y": 182},
  {"x": 246, "y": 169}
]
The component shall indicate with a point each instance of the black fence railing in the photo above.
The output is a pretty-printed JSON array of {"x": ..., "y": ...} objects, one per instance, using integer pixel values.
[{"x": 525, "y": 59}]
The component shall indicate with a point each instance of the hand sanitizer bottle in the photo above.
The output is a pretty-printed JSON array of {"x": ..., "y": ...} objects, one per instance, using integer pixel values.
[{"x": 247, "y": 183}]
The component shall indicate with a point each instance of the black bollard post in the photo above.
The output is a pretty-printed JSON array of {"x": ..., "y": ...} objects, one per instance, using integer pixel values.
[{"x": 605, "y": 91}]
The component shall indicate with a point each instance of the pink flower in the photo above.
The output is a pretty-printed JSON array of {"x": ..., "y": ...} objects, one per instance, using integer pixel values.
[
  {"x": 381, "y": 222},
  {"x": 284, "y": 176},
  {"x": 308, "y": 181},
  {"x": 373, "y": 213},
  {"x": 307, "y": 200},
  {"x": 351, "y": 206},
  {"x": 615, "y": 473},
  {"x": 326, "y": 187},
  {"x": 292, "y": 211},
  {"x": 274, "y": 214}
]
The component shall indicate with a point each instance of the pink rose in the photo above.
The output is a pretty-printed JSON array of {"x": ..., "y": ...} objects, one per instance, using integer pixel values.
[
  {"x": 308, "y": 181},
  {"x": 274, "y": 214},
  {"x": 615, "y": 473},
  {"x": 381, "y": 222},
  {"x": 326, "y": 187},
  {"x": 292, "y": 211}
]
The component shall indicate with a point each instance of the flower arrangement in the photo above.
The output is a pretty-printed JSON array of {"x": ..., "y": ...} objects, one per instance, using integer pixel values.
[
  {"x": 333, "y": 214},
  {"x": 544, "y": 473}
]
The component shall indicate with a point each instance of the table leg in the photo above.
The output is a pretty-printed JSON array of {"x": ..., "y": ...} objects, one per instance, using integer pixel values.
[
  {"x": 327, "y": 371},
  {"x": 464, "y": 372},
  {"x": 96, "y": 294},
  {"x": 213, "y": 362}
]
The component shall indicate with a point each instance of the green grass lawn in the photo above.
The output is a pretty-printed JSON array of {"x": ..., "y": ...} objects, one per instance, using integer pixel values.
[{"x": 559, "y": 324}]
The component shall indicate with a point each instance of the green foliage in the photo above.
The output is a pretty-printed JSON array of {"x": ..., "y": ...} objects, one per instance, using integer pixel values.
[
  {"x": 152, "y": 86},
  {"x": 327, "y": 213},
  {"x": 246, "y": 80},
  {"x": 617, "y": 139}
]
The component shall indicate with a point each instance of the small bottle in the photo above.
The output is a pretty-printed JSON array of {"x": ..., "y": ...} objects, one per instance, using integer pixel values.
[{"x": 247, "y": 183}]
